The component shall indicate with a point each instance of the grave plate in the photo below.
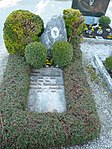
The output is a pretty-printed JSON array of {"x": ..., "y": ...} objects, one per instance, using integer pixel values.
[{"x": 46, "y": 92}]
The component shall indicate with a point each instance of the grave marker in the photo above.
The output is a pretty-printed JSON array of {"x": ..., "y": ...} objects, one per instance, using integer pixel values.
[
  {"x": 46, "y": 92},
  {"x": 55, "y": 30},
  {"x": 91, "y": 7}
]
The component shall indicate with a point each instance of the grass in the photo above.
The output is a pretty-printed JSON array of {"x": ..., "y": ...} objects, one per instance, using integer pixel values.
[{"x": 21, "y": 129}]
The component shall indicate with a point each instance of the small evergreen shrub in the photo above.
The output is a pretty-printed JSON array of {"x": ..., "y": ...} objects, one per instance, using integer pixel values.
[
  {"x": 74, "y": 22},
  {"x": 75, "y": 25},
  {"x": 62, "y": 53},
  {"x": 108, "y": 63},
  {"x": 20, "y": 28},
  {"x": 104, "y": 21},
  {"x": 36, "y": 54}
]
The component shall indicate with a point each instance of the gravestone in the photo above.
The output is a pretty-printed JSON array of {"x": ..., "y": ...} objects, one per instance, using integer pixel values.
[
  {"x": 55, "y": 30},
  {"x": 46, "y": 92},
  {"x": 91, "y": 9}
]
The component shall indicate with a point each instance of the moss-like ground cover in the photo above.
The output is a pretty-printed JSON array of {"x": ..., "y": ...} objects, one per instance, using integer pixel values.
[{"x": 21, "y": 129}]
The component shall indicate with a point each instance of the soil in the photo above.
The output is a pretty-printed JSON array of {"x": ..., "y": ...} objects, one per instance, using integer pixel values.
[{"x": 104, "y": 35}]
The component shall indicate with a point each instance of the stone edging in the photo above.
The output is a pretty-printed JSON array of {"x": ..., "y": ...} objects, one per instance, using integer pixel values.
[
  {"x": 94, "y": 40},
  {"x": 103, "y": 71}
]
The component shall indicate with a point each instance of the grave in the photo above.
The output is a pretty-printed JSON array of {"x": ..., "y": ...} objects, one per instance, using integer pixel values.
[{"x": 46, "y": 92}]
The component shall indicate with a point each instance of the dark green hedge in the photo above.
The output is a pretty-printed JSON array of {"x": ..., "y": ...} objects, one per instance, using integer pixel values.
[{"x": 21, "y": 129}]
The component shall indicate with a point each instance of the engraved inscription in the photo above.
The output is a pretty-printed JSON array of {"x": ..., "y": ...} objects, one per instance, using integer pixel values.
[{"x": 47, "y": 91}]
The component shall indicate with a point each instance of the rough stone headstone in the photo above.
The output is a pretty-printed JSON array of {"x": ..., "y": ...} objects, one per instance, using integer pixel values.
[
  {"x": 55, "y": 30},
  {"x": 46, "y": 92}
]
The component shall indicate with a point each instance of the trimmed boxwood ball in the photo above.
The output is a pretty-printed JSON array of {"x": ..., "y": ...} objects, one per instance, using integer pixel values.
[
  {"x": 104, "y": 21},
  {"x": 20, "y": 28},
  {"x": 62, "y": 53},
  {"x": 36, "y": 54}
]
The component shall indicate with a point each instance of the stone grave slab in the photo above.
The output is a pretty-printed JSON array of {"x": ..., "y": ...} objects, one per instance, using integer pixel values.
[
  {"x": 46, "y": 92},
  {"x": 55, "y": 30}
]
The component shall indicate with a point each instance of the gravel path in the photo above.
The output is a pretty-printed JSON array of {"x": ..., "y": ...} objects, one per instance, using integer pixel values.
[{"x": 3, "y": 61}]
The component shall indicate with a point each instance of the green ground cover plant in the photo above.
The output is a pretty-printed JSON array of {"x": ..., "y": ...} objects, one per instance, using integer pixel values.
[{"x": 29, "y": 130}]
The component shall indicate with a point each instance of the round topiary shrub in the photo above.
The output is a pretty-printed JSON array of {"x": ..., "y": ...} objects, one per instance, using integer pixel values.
[
  {"x": 20, "y": 28},
  {"x": 62, "y": 53},
  {"x": 104, "y": 21},
  {"x": 108, "y": 63},
  {"x": 36, "y": 54}
]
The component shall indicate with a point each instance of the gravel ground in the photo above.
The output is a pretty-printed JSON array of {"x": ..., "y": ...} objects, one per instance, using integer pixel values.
[{"x": 3, "y": 61}]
